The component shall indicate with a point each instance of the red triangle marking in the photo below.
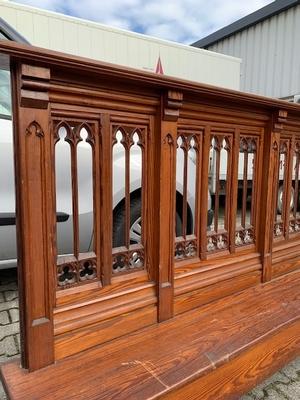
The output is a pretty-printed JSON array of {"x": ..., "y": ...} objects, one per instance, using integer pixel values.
[{"x": 159, "y": 68}]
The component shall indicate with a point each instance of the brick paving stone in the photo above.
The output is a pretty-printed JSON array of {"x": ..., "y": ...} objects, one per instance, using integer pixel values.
[
  {"x": 14, "y": 315},
  {"x": 272, "y": 394},
  {"x": 11, "y": 295},
  {"x": 9, "y": 330},
  {"x": 9, "y": 304},
  {"x": 8, "y": 346},
  {"x": 291, "y": 391},
  {"x": 4, "y": 318},
  {"x": 290, "y": 371},
  {"x": 257, "y": 393}
]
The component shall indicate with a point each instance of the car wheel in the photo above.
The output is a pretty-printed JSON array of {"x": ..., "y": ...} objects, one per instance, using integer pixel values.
[
  {"x": 280, "y": 200},
  {"x": 135, "y": 231}
]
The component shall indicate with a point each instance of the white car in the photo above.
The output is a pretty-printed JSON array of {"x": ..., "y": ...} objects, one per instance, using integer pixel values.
[{"x": 8, "y": 252}]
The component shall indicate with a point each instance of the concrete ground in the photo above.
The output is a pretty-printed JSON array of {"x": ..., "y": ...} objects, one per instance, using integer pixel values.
[{"x": 284, "y": 385}]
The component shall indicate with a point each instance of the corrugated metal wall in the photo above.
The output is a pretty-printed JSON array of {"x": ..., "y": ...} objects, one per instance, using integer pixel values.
[
  {"x": 76, "y": 36},
  {"x": 270, "y": 53}
]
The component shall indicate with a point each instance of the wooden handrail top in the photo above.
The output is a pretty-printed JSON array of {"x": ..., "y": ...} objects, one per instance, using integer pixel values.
[
  {"x": 108, "y": 70},
  {"x": 157, "y": 360}
]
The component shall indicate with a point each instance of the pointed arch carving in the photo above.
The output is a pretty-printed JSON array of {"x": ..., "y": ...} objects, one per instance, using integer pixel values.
[{"x": 34, "y": 128}]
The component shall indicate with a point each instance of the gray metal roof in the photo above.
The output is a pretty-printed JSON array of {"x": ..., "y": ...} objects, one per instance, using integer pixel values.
[
  {"x": 10, "y": 33},
  {"x": 268, "y": 11}
]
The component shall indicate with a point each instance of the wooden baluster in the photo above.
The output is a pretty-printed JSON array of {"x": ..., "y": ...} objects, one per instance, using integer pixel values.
[
  {"x": 94, "y": 141},
  {"x": 234, "y": 192},
  {"x": 127, "y": 143},
  {"x": 184, "y": 146},
  {"x": 284, "y": 212},
  {"x": 171, "y": 102},
  {"x": 245, "y": 185},
  {"x": 105, "y": 229},
  {"x": 34, "y": 209},
  {"x": 217, "y": 149},
  {"x": 269, "y": 191},
  {"x": 277, "y": 166},
  {"x": 289, "y": 172},
  {"x": 196, "y": 231},
  {"x": 296, "y": 194},
  {"x": 254, "y": 148},
  {"x": 228, "y": 187},
  {"x": 204, "y": 188},
  {"x": 144, "y": 190},
  {"x": 73, "y": 138}
]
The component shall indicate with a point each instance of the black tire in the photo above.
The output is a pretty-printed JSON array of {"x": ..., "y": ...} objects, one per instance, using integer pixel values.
[
  {"x": 135, "y": 214},
  {"x": 279, "y": 200},
  {"x": 119, "y": 220}
]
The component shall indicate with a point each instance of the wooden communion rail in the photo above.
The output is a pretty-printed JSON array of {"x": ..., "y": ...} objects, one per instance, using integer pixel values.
[{"x": 193, "y": 310}]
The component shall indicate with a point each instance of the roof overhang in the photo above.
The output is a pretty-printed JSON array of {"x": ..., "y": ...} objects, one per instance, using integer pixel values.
[
  {"x": 274, "y": 8},
  {"x": 10, "y": 33}
]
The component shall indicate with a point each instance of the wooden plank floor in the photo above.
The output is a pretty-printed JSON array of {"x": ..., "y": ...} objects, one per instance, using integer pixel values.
[{"x": 197, "y": 355}]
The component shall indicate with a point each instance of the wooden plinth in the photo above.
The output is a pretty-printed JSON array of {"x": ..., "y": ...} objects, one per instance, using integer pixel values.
[{"x": 215, "y": 352}]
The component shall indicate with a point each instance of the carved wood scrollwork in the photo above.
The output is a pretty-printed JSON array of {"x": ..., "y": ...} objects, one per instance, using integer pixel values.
[
  {"x": 187, "y": 177},
  {"x": 172, "y": 102},
  {"x": 279, "y": 119},
  {"x": 35, "y": 82},
  {"x": 129, "y": 146},
  {"x": 35, "y": 129},
  {"x": 287, "y": 215},
  {"x": 282, "y": 203},
  {"x": 77, "y": 267},
  {"x": 247, "y": 176},
  {"x": 220, "y": 164}
]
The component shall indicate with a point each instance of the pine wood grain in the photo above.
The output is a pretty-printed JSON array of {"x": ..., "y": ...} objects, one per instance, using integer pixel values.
[{"x": 218, "y": 350}]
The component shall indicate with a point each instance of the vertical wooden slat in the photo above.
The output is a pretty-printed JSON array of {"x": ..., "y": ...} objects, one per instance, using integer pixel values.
[
  {"x": 234, "y": 192},
  {"x": 204, "y": 192},
  {"x": 284, "y": 211},
  {"x": 127, "y": 147},
  {"x": 253, "y": 209},
  {"x": 144, "y": 189},
  {"x": 198, "y": 184},
  {"x": 228, "y": 187},
  {"x": 217, "y": 190},
  {"x": 74, "y": 175},
  {"x": 153, "y": 197},
  {"x": 185, "y": 147},
  {"x": 269, "y": 191},
  {"x": 245, "y": 186},
  {"x": 276, "y": 180},
  {"x": 53, "y": 141},
  {"x": 170, "y": 104},
  {"x": 96, "y": 151},
  {"x": 105, "y": 230},
  {"x": 34, "y": 201},
  {"x": 289, "y": 172},
  {"x": 296, "y": 194}
]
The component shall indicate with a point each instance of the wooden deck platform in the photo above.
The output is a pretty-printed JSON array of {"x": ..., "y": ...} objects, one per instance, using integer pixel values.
[{"x": 216, "y": 352}]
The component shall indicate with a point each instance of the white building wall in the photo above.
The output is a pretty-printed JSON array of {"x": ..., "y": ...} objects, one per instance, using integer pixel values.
[
  {"x": 84, "y": 38},
  {"x": 270, "y": 54}
]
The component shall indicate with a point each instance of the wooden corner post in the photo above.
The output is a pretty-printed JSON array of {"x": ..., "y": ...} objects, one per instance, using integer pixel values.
[
  {"x": 34, "y": 213},
  {"x": 269, "y": 190},
  {"x": 170, "y": 105}
]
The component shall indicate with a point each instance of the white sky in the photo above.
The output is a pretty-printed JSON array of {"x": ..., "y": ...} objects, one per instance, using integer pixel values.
[{"x": 183, "y": 21}]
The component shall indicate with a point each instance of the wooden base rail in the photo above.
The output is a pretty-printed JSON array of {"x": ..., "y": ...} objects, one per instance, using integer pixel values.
[{"x": 218, "y": 351}]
